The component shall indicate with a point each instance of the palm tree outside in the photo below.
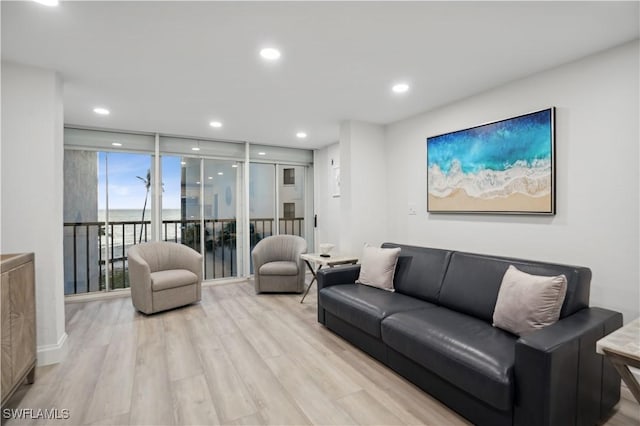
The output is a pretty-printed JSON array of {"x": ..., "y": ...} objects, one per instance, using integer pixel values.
[{"x": 147, "y": 184}]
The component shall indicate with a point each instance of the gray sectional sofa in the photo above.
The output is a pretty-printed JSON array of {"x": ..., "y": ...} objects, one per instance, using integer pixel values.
[{"x": 436, "y": 330}]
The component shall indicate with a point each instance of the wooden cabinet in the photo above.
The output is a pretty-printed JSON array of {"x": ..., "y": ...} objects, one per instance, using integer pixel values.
[{"x": 18, "y": 315}]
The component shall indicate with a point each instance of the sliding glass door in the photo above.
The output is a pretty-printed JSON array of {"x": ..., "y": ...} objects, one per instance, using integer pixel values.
[
  {"x": 107, "y": 209},
  {"x": 200, "y": 209}
]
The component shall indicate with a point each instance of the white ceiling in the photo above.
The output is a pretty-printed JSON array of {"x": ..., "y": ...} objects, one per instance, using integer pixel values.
[{"x": 172, "y": 67}]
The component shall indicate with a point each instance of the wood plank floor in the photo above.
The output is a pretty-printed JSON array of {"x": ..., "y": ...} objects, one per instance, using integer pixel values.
[{"x": 235, "y": 358}]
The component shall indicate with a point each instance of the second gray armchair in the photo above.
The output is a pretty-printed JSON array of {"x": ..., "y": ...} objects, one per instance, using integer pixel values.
[{"x": 277, "y": 265}]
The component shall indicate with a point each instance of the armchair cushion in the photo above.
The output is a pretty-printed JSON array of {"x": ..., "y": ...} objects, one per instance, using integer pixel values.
[
  {"x": 172, "y": 278},
  {"x": 279, "y": 268}
]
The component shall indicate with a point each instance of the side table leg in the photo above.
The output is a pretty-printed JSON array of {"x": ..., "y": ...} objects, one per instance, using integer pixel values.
[
  {"x": 628, "y": 378},
  {"x": 31, "y": 376},
  {"x": 312, "y": 280}
]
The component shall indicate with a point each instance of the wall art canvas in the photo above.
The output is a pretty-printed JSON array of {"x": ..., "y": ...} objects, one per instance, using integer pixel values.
[{"x": 506, "y": 166}]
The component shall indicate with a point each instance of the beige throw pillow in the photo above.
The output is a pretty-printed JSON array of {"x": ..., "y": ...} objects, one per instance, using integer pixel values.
[
  {"x": 528, "y": 302},
  {"x": 377, "y": 267}
]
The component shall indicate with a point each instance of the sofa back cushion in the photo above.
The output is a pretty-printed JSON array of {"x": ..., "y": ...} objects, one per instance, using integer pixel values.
[
  {"x": 472, "y": 282},
  {"x": 420, "y": 271}
]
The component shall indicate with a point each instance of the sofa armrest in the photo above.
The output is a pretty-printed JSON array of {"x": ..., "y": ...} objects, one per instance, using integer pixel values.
[
  {"x": 559, "y": 377},
  {"x": 334, "y": 276},
  {"x": 328, "y": 277}
]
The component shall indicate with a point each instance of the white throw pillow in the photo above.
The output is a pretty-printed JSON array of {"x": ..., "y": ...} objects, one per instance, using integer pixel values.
[
  {"x": 528, "y": 302},
  {"x": 378, "y": 266}
]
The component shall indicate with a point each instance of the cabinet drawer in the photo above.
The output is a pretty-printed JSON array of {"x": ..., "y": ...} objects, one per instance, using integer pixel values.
[
  {"x": 23, "y": 318},
  {"x": 5, "y": 350}
]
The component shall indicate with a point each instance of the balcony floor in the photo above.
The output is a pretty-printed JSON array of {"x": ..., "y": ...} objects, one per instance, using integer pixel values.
[{"x": 235, "y": 358}]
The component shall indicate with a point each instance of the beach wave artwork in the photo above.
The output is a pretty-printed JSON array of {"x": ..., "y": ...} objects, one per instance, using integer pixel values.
[{"x": 506, "y": 166}]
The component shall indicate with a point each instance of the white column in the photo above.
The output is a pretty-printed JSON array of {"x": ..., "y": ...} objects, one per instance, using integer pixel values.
[
  {"x": 363, "y": 186},
  {"x": 32, "y": 192}
]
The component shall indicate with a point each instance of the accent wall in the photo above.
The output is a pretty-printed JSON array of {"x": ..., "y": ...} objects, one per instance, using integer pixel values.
[{"x": 597, "y": 157}]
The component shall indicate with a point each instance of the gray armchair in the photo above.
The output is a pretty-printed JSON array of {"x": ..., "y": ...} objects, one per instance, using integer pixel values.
[
  {"x": 163, "y": 276},
  {"x": 277, "y": 265}
]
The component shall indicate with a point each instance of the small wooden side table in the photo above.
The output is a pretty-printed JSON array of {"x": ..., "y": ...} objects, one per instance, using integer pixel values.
[
  {"x": 333, "y": 260},
  {"x": 622, "y": 347}
]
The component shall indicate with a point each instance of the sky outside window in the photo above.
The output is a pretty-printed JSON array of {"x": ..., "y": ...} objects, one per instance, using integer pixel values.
[{"x": 126, "y": 191}]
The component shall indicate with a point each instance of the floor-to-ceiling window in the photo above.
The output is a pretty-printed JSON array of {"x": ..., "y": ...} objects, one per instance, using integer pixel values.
[
  {"x": 107, "y": 206},
  {"x": 207, "y": 196}
]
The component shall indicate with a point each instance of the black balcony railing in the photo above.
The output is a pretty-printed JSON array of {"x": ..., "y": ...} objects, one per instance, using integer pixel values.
[{"x": 86, "y": 245}]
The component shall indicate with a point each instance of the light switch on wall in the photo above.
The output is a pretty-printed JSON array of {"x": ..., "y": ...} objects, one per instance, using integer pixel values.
[{"x": 412, "y": 210}]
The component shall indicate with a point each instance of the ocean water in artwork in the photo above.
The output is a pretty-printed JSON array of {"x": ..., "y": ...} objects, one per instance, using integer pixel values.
[{"x": 493, "y": 161}]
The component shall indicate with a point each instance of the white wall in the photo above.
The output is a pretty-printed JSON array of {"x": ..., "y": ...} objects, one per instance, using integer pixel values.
[
  {"x": 597, "y": 186},
  {"x": 32, "y": 191},
  {"x": 327, "y": 206},
  {"x": 363, "y": 171}
]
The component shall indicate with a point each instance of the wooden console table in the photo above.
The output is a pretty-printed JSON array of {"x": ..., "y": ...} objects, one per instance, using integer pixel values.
[
  {"x": 18, "y": 312},
  {"x": 622, "y": 347}
]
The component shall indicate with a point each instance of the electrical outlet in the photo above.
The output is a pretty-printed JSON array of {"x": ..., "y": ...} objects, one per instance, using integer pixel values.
[{"x": 412, "y": 210}]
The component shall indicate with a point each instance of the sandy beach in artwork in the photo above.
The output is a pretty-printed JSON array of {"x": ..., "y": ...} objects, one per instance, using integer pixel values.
[{"x": 458, "y": 200}]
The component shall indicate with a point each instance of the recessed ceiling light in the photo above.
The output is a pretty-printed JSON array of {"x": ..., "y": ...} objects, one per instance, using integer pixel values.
[
  {"x": 116, "y": 144},
  {"x": 101, "y": 111},
  {"x": 262, "y": 153},
  {"x": 220, "y": 173},
  {"x": 400, "y": 87},
  {"x": 215, "y": 124},
  {"x": 270, "y": 53},
  {"x": 183, "y": 162},
  {"x": 301, "y": 135},
  {"x": 195, "y": 148},
  {"x": 210, "y": 177},
  {"x": 234, "y": 166},
  {"x": 48, "y": 2},
  {"x": 197, "y": 183}
]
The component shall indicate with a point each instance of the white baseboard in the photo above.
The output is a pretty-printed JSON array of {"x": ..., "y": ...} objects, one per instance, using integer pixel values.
[{"x": 53, "y": 354}]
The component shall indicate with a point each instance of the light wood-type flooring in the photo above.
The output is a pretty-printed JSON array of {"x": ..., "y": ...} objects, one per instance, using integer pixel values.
[{"x": 236, "y": 358}]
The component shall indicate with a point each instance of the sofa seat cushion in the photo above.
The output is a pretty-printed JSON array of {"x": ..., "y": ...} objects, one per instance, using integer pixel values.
[
  {"x": 364, "y": 307},
  {"x": 279, "y": 268},
  {"x": 465, "y": 351},
  {"x": 171, "y": 278}
]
